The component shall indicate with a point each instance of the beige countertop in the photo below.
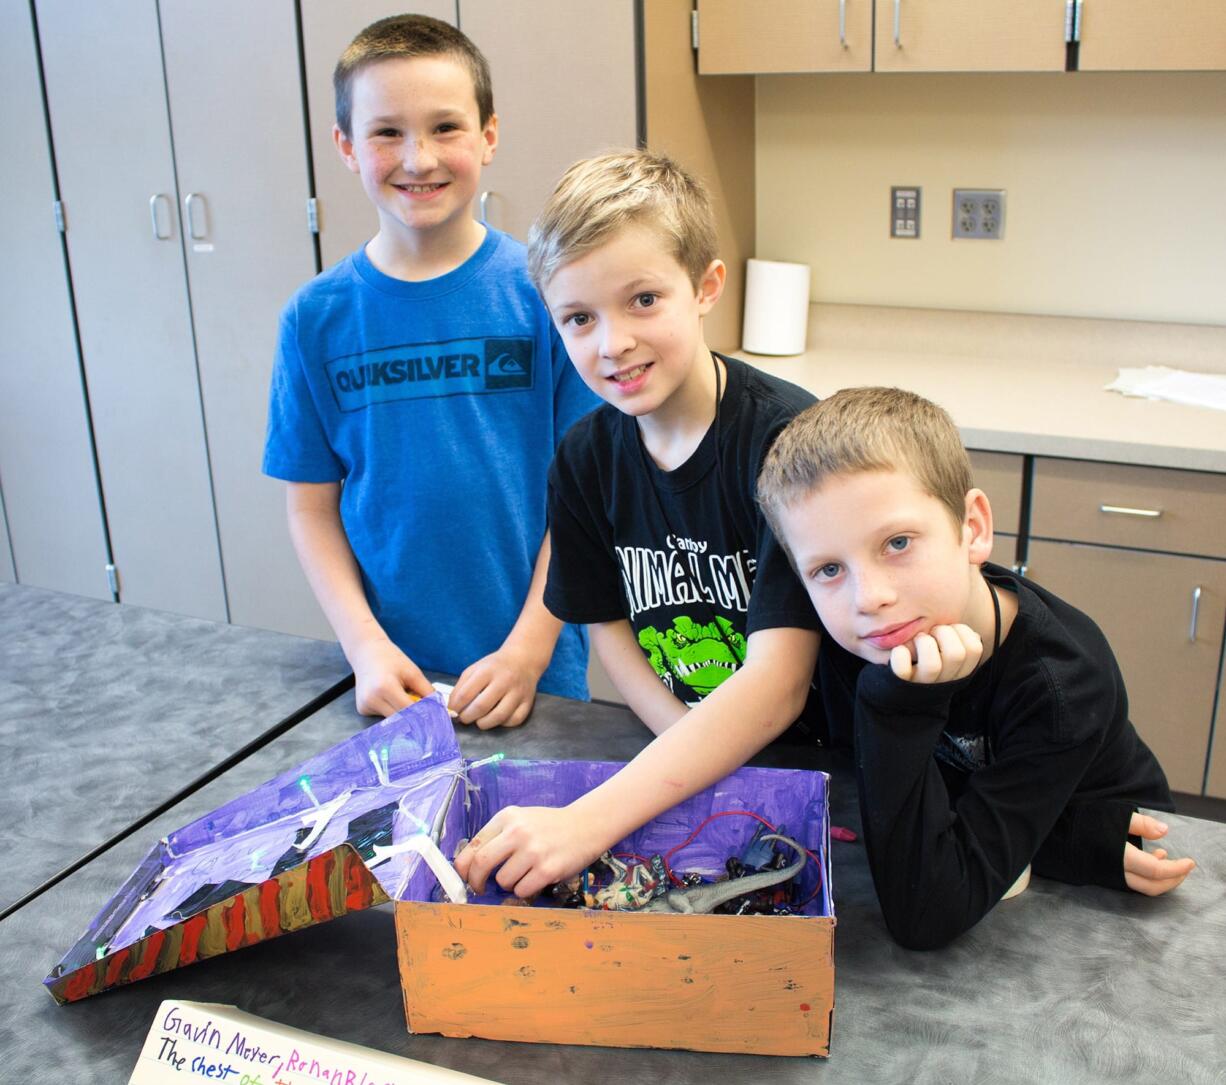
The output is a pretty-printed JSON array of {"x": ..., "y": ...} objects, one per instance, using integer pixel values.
[{"x": 1023, "y": 383}]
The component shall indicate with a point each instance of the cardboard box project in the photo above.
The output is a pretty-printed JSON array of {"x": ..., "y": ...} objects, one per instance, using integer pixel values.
[
  {"x": 376, "y": 817},
  {"x": 755, "y": 984}
]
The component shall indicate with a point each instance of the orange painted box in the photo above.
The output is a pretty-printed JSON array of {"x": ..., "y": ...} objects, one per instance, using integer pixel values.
[{"x": 759, "y": 984}]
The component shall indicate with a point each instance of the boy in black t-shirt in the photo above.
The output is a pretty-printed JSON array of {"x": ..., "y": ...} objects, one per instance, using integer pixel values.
[
  {"x": 988, "y": 717},
  {"x": 658, "y": 543}
]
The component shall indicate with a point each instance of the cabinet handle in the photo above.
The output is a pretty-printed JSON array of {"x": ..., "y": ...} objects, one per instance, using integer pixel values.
[
  {"x": 157, "y": 200},
  {"x": 189, "y": 204},
  {"x": 1195, "y": 614},
  {"x": 897, "y": 24},
  {"x": 1123, "y": 510},
  {"x": 1068, "y": 21},
  {"x": 843, "y": 23},
  {"x": 484, "y": 203},
  {"x": 1077, "y": 21}
]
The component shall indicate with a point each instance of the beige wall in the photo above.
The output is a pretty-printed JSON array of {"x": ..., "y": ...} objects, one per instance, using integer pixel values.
[{"x": 1116, "y": 185}]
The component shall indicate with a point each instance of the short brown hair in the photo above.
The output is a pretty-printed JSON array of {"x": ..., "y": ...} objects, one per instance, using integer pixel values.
[
  {"x": 598, "y": 196},
  {"x": 407, "y": 36},
  {"x": 866, "y": 429}
]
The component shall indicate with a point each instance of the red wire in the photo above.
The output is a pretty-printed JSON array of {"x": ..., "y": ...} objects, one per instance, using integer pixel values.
[{"x": 733, "y": 813}]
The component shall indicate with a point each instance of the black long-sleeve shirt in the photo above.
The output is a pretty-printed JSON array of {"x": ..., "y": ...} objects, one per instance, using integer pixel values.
[{"x": 1031, "y": 759}]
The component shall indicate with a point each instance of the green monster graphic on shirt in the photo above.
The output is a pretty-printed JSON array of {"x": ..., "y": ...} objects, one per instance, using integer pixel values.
[{"x": 701, "y": 656}]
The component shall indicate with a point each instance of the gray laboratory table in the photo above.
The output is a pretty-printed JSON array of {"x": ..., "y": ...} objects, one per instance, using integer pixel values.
[
  {"x": 1061, "y": 984},
  {"x": 106, "y": 711}
]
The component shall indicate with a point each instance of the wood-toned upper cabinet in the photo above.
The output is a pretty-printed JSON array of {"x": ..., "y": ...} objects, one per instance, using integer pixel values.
[
  {"x": 1152, "y": 35},
  {"x": 738, "y": 37},
  {"x": 970, "y": 36}
]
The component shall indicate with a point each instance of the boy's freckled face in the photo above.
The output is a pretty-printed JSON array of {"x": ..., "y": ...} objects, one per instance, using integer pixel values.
[
  {"x": 417, "y": 141},
  {"x": 881, "y": 560},
  {"x": 632, "y": 320}
]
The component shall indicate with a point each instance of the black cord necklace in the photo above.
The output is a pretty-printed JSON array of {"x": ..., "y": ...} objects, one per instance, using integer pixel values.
[{"x": 699, "y": 593}]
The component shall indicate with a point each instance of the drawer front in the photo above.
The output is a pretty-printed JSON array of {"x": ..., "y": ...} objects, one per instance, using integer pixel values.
[
  {"x": 999, "y": 475},
  {"x": 1151, "y": 508}
]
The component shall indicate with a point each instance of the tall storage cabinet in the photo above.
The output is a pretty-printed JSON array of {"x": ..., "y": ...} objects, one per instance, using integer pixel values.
[
  {"x": 54, "y": 535},
  {"x": 184, "y": 175},
  {"x": 555, "y": 105},
  {"x": 346, "y": 217},
  {"x": 235, "y": 90},
  {"x": 117, "y": 180}
]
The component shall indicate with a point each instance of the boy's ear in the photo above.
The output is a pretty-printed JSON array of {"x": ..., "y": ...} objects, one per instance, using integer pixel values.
[
  {"x": 977, "y": 526},
  {"x": 711, "y": 286},
  {"x": 489, "y": 134},
  {"x": 344, "y": 147}
]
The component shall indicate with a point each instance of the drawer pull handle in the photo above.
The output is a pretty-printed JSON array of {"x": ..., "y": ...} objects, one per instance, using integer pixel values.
[
  {"x": 897, "y": 24},
  {"x": 1195, "y": 613},
  {"x": 1123, "y": 510},
  {"x": 843, "y": 23}
]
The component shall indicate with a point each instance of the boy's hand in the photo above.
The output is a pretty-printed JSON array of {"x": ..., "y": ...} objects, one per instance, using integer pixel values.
[
  {"x": 1151, "y": 872},
  {"x": 531, "y": 847},
  {"x": 497, "y": 691},
  {"x": 386, "y": 679},
  {"x": 946, "y": 654}
]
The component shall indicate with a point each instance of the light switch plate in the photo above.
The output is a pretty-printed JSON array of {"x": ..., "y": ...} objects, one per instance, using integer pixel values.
[{"x": 905, "y": 211}]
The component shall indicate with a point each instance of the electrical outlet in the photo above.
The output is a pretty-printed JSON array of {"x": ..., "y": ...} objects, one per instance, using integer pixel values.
[
  {"x": 979, "y": 213},
  {"x": 905, "y": 211}
]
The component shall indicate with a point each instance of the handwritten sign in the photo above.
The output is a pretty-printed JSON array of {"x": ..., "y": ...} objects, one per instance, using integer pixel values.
[{"x": 202, "y": 1041}]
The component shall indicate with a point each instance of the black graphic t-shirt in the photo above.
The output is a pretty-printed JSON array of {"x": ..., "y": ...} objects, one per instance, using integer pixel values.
[{"x": 684, "y": 555}]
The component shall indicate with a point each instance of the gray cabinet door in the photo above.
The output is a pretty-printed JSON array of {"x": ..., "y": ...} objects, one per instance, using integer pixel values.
[
  {"x": 54, "y": 537},
  {"x": 564, "y": 88},
  {"x": 346, "y": 217},
  {"x": 235, "y": 92},
  {"x": 107, "y": 102}
]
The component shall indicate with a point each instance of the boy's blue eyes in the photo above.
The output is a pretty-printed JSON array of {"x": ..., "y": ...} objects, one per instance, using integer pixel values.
[{"x": 831, "y": 569}]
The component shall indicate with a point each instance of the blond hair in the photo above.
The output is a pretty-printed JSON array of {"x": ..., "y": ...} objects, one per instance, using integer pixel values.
[
  {"x": 866, "y": 429},
  {"x": 404, "y": 37},
  {"x": 599, "y": 196}
]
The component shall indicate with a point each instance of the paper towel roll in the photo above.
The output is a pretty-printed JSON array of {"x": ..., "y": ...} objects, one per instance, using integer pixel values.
[{"x": 776, "y": 307}]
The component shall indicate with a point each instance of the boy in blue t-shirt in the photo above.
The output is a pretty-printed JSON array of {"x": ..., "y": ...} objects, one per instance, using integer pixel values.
[{"x": 418, "y": 395}]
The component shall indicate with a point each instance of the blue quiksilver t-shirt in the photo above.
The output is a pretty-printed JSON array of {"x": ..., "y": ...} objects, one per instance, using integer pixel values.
[{"x": 438, "y": 404}]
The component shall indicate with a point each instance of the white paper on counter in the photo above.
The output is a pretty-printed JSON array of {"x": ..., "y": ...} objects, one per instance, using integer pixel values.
[
  {"x": 194, "y": 1041},
  {"x": 1175, "y": 385}
]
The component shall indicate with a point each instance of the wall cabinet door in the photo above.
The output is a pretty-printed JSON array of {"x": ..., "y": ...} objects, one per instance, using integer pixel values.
[
  {"x": 346, "y": 217},
  {"x": 556, "y": 102},
  {"x": 248, "y": 248},
  {"x": 107, "y": 102},
  {"x": 54, "y": 536},
  {"x": 970, "y": 36},
  {"x": 1141, "y": 35},
  {"x": 738, "y": 37},
  {"x": 1146, "y": 605}
]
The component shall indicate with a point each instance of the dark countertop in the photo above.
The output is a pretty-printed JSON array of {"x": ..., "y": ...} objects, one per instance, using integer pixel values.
[
  {"x": 106, "y": 711},
  {"x": 1062, "y": 984}
]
